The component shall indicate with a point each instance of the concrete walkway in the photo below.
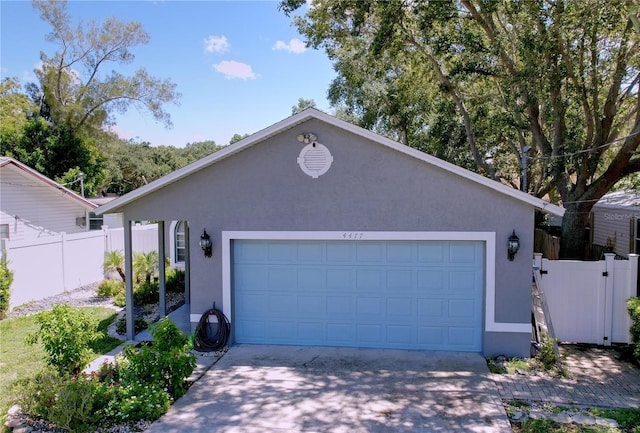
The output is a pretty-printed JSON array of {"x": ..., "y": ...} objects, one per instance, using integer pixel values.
[
  {"x": 598, "y": 379},
  {"x": 284, "y": 389}
]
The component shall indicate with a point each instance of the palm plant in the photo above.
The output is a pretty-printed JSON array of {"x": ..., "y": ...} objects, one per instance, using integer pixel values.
[
  {"x": 114, "y": 262},
  {"x": 145, "y": 265}
]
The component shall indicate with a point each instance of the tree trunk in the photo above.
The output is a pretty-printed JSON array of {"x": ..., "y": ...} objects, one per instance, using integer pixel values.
[{"x": 574, "y": 240}]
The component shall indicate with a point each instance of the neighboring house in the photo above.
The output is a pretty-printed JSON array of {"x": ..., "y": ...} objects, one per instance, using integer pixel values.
[
  {"x": 325, "y": 233},
  {"x": 616, "y": 222},
  {"x": 32, "y": 205},
  {"x": 112, "y": 220}
]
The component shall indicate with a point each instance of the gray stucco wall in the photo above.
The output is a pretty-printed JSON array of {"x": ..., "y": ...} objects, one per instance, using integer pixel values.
[{"x": 368, "y": 188}]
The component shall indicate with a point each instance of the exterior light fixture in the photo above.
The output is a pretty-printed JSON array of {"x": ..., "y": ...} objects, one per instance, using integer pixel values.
[
  {"x": 307, "y": 137},
  {"x": 513, "y": 245},
  {"x": 205, "y": 243}
]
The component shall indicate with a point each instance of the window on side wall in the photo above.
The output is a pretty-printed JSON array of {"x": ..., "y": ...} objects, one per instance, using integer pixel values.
[
  {"x": 180, "y": 242},
  {"x": 95, "y": 221}
]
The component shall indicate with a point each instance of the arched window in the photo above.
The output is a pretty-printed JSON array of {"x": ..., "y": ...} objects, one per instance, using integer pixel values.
[{"x": 180, "y": 241}]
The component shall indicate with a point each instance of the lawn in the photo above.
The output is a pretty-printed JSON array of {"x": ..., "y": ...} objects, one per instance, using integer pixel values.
[{"x": 19, "y": 360}]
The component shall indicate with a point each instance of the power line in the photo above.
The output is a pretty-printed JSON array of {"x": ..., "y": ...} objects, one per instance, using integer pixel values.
[{"x": 567, "y": 155}]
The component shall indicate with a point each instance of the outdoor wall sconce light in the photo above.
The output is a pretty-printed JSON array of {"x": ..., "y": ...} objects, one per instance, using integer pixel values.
[
  {"x": 307, "y": 137},
  {"x": 513, "y": 245},
  {"x": 205, "y": 244}
]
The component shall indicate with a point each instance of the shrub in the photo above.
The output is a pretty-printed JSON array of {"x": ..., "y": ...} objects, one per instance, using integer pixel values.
[
  {"x": 65, "y": 333},
  {"x": 146, "y": 293},
  {"x": 633, "y": 306},
  {"x": 165, "y": 361},
  {"x": 6, "y": 278},
  {"x": 139, "y": 324},
  {"x": 110, "y": 288},
  {"x": 67, "y": 401},
  {"x": 174, "y": 280}
]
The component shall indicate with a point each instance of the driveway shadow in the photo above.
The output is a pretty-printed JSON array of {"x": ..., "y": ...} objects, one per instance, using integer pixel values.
[{"x": 315, "y": 389}]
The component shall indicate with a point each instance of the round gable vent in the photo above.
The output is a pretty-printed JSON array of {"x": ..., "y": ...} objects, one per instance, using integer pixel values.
[{"x": 315, "y": 159}]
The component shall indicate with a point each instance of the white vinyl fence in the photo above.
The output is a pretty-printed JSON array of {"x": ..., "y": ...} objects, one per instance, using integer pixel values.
[
  {"x": 587, "y": 300},
  {"x": 54, "y": 264}
]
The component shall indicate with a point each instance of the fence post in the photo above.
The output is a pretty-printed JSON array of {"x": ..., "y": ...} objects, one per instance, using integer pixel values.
[
  {"x": 537, "y": 260},
  {"x": 609, "y": 277},
  {"x": 633, "y": 272},
  {"x": 63, "y": 239}
]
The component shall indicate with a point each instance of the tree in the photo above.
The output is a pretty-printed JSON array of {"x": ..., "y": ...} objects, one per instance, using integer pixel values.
[
  {"x": 551, "y": 83},
  {"x": 302, "y": 105},
  {"x": 237, "y": 137},
  {"x": 78, "y": 92},
  {"x": 114, "y": 262},
  {"x": 15, "y": 110}
]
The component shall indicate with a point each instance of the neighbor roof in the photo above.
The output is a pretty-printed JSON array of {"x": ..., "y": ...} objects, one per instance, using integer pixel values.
[
  {"x": 629, "y": 199},
  {"x": 39, "y": 177},
  {"x": 119, "y": 204}
]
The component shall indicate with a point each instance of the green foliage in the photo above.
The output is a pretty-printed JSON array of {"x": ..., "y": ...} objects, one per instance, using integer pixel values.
[
  {"x": 59, "y": 153},
  {"x": 633, "y": 307},
  {"x": 139, "y": 324},
  {"x": 145, "y": 266},
  {"x": 110, "y": 288},
  {"x": 547, "y": 354},
  {"x": 493, "y": 84},
  {"x": 146, "y": 293},
  {"x": 15, "y": 109},
  {"x": 302, "y": 105},
  {"x": 165, "y": 362},
  {"x": 80, "y": 83},
  {"x": 174, "y": 280},
  {"x": 6, "y": 278},
  {"x": 65, "y": 333}
]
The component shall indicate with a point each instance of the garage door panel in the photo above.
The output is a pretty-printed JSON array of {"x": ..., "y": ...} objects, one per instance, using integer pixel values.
[
  {"x": 401, "y": 280},
  {"x": 404, "y": 294}
]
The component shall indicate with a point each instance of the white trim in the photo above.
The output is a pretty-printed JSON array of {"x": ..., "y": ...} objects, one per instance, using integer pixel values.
[
  {"x": 489, "y": 238},
  {"x": 309, "y": 114}
]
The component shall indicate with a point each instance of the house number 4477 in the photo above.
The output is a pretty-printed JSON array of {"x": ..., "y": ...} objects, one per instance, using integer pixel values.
[{"x": 352, "y": 235}]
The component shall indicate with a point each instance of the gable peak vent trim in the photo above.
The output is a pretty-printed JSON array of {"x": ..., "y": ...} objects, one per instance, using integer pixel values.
[{"x": 315, "y": 159}]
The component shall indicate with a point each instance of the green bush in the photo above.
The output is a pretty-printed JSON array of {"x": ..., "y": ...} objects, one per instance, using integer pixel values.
[
  {"x": 110, "y": 288},
  {"x": 166, "y": 361},
  {"x": 139, "y": 324},
  {"x": 174, "y": 280},
  {"x": 66, "y": 401},
  {"x": 146, "y": 293},
  {"x": 6, "y": 278},
  {"x": 633, "y": 306},
  {"x": 65, "y": 333}
]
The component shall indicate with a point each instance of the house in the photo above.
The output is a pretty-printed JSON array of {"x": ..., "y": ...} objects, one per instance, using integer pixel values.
[
  {"x": 32, "y": 205},
  {"x": 324, "y": 233},
  {"x": 616, "y": 222}
]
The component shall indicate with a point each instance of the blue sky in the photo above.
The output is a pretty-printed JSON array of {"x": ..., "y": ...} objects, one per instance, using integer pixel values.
[{"x": 240, "y": 65}]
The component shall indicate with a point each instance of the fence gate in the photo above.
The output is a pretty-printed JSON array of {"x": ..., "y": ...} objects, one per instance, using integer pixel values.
[{"x": 587, "y": 300}]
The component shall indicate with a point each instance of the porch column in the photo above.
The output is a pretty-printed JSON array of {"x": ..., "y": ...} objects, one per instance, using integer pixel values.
[
  {"x": 162, "y": 292},
  {"x": 187, "y": 264},
  {"x": 128, "y": 274}
]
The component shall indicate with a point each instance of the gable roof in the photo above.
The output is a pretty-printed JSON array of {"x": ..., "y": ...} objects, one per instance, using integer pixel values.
[
  {"x": 309, "y": 114},
  {"x": 6, "y": 161}
]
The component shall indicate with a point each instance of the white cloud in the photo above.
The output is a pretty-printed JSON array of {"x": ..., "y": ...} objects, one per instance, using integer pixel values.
[
  {"x": 232, "y": 69},
  {"x": 295, "y": 46},
  {"x": 216, "y": 44}
]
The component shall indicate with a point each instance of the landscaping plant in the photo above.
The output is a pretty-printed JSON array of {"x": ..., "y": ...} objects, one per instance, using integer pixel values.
[
  {"x": 633, "y": 306},
  {"x": 6, "y": 278},
  {"x": 139, "y": 385},
  {"x": 65, "y": 333}
]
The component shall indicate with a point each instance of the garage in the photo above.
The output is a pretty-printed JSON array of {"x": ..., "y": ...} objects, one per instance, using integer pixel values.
[{"x": 400, "y": 294}]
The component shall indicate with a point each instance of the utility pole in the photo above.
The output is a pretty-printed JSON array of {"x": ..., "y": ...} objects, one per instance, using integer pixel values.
[
  {"x": 525, "y": 160},
  {"x": 81, "y": 175}
]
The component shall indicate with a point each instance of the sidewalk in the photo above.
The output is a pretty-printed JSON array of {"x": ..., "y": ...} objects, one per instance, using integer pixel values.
[{"x": 598, "y": 379}]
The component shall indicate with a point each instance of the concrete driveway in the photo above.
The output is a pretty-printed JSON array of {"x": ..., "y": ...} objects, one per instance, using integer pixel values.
[{"x": 277, "y": 389}]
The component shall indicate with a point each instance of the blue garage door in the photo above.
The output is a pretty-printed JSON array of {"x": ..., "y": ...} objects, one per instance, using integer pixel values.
[{"x": 381, "y": 294}]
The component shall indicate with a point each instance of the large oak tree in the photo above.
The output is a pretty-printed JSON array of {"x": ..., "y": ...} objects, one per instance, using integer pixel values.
[{"x": 546, "y": 85}]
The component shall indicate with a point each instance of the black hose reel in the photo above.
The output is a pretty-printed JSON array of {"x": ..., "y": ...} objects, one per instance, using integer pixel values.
[{"x": 210, "y": 337}]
